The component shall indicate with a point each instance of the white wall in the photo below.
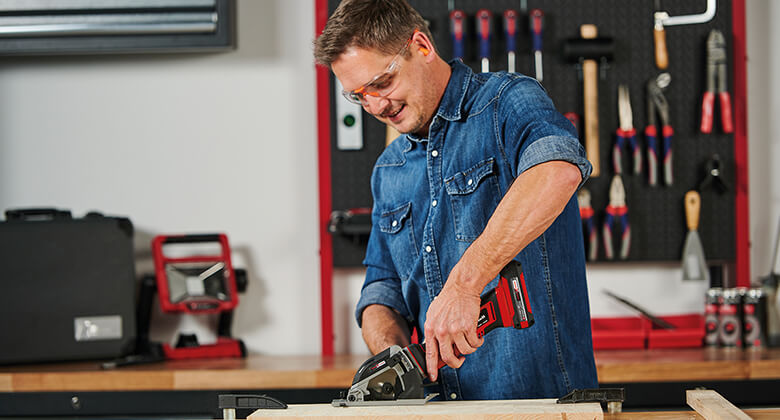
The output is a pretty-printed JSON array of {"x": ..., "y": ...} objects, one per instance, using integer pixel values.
[
  {"x": 227, "y": 142},
  {"x": 187, "y": 143}
]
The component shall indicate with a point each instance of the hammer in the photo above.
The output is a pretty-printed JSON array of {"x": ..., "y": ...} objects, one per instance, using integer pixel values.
[{"x": 587, "y": 50}]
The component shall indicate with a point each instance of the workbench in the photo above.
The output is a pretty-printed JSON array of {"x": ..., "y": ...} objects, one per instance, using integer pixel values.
[{"x": 652, "y": 379}]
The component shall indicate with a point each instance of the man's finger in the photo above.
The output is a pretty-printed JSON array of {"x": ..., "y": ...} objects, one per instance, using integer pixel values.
[
  {"x": 447, "y": 353},
  {"x": 474, "y": 340},
  {"x": 463, "y": 346},
  {"x": 432, "y": 358}
]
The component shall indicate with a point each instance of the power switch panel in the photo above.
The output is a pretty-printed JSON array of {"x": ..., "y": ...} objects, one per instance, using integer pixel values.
[{"x": 349, "y": 122}]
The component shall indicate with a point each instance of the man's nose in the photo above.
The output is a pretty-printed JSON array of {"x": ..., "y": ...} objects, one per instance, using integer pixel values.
[{"x": 375, "y": 105}]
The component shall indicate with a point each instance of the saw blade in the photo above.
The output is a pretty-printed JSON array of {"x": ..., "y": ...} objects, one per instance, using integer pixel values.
[{"x": 341, "y": 402}]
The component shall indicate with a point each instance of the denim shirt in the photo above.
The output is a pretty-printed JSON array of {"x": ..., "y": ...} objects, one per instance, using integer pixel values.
[{"x": 434, "y": 196}]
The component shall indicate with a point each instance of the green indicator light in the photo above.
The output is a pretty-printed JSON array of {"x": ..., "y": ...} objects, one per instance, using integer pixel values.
[{"x": 349, "y": 120}]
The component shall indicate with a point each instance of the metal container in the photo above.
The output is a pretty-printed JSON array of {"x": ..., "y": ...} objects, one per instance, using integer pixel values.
[
  {"x": 754, "y": 318},
  {"x": 729, "y": 319},
  {"x": 712, "y": 304}
]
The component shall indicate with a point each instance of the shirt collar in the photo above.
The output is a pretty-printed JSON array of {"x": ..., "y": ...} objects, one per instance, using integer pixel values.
[{"x": 454, "y": 95}]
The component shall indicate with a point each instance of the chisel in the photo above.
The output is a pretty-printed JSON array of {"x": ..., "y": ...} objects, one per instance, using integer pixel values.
[{"x": 484, "y": 18}]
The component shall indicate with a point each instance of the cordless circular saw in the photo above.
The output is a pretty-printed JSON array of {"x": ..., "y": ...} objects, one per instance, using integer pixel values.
[{"x": 396, "y": 376}]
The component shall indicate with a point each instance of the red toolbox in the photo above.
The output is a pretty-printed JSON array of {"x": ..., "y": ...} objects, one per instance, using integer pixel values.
[
  {"x": 689, "y": 332},
  {"x": 618, "y": 333}
]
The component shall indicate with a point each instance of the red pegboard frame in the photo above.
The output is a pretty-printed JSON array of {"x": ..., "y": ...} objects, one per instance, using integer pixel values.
[
  {"x": 323, "y": 172},
  {"x": 742, "y": 213},
  {"x": 742, "y": 216}
]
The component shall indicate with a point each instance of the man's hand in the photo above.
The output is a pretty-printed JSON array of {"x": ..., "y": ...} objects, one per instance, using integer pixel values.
[{"x": 451, "y": 327}]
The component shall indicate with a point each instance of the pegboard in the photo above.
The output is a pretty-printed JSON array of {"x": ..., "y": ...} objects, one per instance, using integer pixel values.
[{"x": 656, "y": 213}]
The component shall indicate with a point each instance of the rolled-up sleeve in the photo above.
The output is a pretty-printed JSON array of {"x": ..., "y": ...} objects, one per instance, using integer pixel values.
[
  {"x": 551, "y": 148},
  {"x": 535, "y": 132},
  {"x": 383, "y": 288}
]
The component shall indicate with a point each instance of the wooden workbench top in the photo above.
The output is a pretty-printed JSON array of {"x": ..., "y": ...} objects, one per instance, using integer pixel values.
[{"x": 308, "y": 372}]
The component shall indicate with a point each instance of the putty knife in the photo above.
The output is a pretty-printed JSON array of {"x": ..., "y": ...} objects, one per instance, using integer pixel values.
[{"x": 693, "y": 261}]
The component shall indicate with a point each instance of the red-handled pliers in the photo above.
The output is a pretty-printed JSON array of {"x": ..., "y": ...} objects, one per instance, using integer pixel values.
[
  {"x": 716, "y": 83},
  {"x": 626, "y": 133},
  {"x": 617, "y": 210},
  {"x": 586, "y": 214}
]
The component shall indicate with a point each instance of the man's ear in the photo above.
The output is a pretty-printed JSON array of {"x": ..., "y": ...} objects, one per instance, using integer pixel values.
[{"x": 424, "y": 45}]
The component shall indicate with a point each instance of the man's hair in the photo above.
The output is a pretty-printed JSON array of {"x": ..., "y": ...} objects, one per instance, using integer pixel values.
[{"x": 382, "y": 25}]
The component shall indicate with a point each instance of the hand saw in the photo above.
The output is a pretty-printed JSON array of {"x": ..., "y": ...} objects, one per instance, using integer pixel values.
[{"x": 396, "y": 375}]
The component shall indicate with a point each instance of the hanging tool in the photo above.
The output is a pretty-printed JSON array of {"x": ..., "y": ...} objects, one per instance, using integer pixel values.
[
  {"x": 484, "y": 21},
  {"x": 537, "y": 21},
  {"x": 396, "y": 375},
  {"x": 458, "y": 32},
  {"x": 660, "y": 323},
  {"x": 693, "y": 261},
  {"x": 716, "y": 84},
  {"x": 617, "y": 212},
  {"x": 656, "y": 103},
  {"x": 626, "y": 133},
  {"x": 662, "y": 19},
  {"x": 586, "y": 214},
  {"x": 510, "y": 31},
  {"x": 586, "y": 50},
  {"x": 712, "y": 177}
]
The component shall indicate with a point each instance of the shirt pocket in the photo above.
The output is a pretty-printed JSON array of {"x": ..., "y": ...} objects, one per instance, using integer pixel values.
[
  {"x": 474, "y": 194},
  {"x": 397, "y": 226}
]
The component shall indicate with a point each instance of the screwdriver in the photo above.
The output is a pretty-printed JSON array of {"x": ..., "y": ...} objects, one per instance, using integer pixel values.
[
  {"x": 537, "y": 21},
  {"x": 457, "y": 29},
  {"x": 484, "y": 18},
  {"x": 510, "y": 29}
]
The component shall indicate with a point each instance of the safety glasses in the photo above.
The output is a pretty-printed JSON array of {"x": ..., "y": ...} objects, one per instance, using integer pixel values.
[{"x": 382, "y": 84}]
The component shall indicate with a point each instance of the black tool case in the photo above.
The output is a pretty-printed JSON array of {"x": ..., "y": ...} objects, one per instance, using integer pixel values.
[{"x": 68, "y": 286}]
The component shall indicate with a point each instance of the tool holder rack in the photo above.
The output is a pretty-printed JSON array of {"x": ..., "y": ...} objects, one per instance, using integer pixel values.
[{"x": 656, "y": 214}]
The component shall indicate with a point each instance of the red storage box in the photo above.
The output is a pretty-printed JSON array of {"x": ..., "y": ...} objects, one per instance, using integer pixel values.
[
  {"x": 618, "y": 333},
  {"x": 689, "y": 332}
]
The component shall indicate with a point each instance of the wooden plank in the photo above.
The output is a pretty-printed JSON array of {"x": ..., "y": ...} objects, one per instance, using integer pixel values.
[
  {"x": 440, "y": 410},
  {"x": 712, "y": 406}
]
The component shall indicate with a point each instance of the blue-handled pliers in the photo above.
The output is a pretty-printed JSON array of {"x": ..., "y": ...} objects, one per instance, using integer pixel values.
[
  {"x": 626, "y": 133},
  {"x": 617, "y": 213}
]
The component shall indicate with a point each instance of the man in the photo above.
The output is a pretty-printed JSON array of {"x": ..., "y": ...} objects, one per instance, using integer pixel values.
[{"x": 484, "y": 172}]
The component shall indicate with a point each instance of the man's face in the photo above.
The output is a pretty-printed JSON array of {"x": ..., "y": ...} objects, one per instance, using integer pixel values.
[{"x": 404, "y": 100}]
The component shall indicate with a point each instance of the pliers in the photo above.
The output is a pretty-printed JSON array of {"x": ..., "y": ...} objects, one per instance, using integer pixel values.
[
  {"x": 586, "y": 214},
  {"x": 617, "y": 210},
  {"x": 626, "y": 133},
  {"x": 716, "y": 83},
  {"x": 656, "y": 102}
]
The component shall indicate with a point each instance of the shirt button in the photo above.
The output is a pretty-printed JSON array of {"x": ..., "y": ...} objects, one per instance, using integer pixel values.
[
  {"x": 428, "y": 248},
  {"x": 470, "y": 182},
  {"x": 395, "y": 223},
  {"x": 453, "y": 396},
  {"x": 434, "y": 203},
  {"x": 435, "y": 153}
]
